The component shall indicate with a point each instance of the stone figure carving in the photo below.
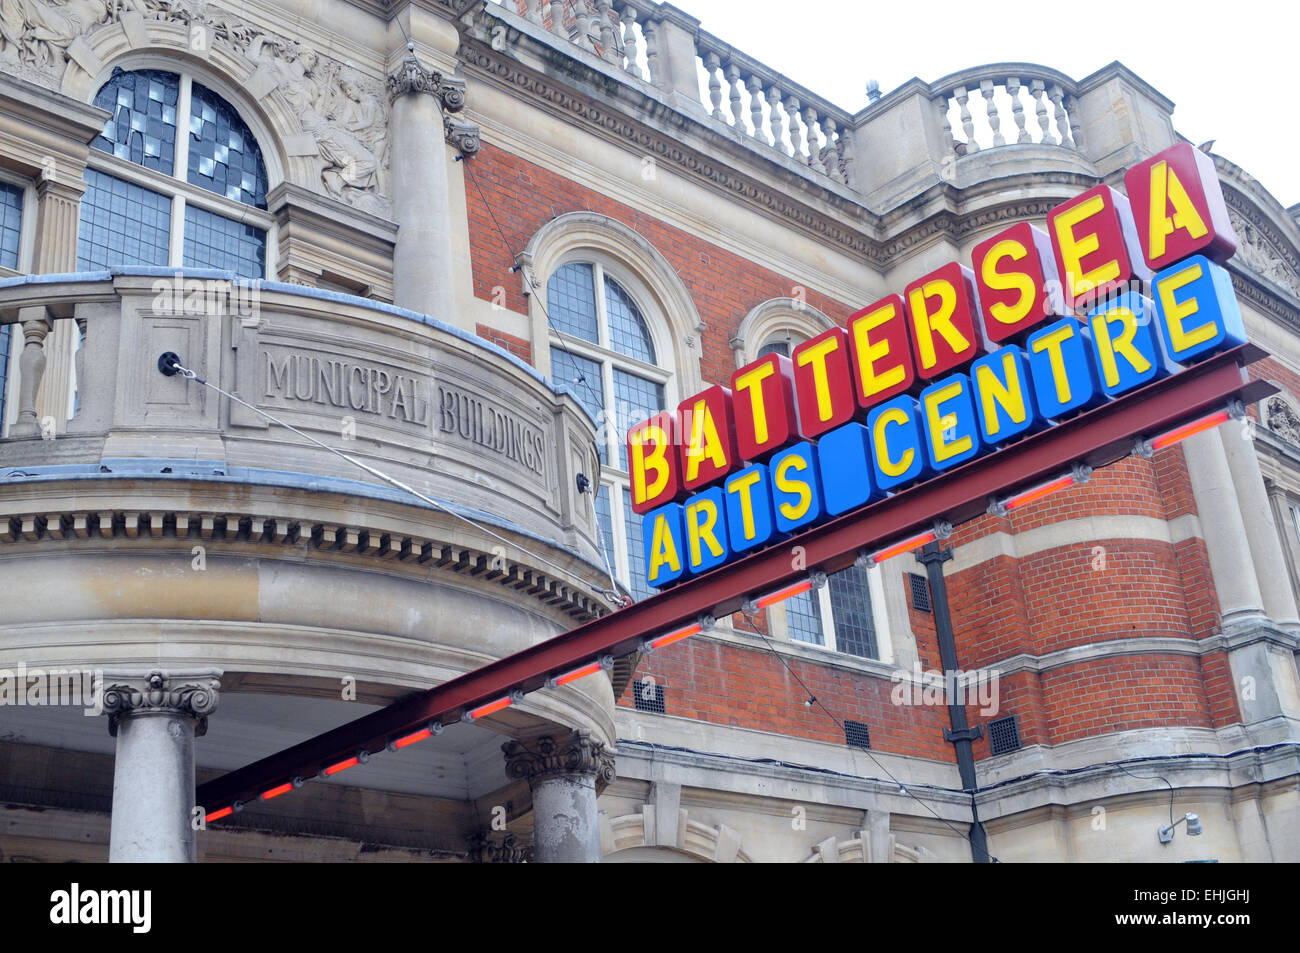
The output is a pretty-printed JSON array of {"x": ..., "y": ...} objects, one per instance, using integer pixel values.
[
  {"x": 1258, "y": 253},
  {"x": 1282, "y": 419},
  {"x": 343, "y": 110}
]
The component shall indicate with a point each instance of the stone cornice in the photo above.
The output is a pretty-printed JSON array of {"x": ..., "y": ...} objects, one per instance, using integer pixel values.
[{"x": 382, "y": 548}]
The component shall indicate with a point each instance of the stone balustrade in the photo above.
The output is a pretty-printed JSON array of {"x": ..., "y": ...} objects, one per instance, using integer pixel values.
[{"x": 1007, "y": 104}]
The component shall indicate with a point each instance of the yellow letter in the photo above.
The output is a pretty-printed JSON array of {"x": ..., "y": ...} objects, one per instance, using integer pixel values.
[
  {"x": 655, "y": 460},
  {"x": 752, "y": 381},
  {"x": 1018, "y": 280},
  {"x": 942, "y": 449},
  {"x": 1108, "y": 347},
  {"x": 663, "y": 548},
  {"x": 1073, "y": 250},
  {"x": 782, "y": 481},
  {"x": 1180, "y": 339},
  {"x": 870, "y": 352},
  {"x": 695, "y": 531},
  {"x": 1166, "y": 189},
  {"x": 1051, "y": 343},
  {"x": 816, "y": 356},
  {"x": 926, "y": 324},
  {"x": 704, "y": 440},
  {"x": 1009, "y": 396},
  {"x": 743, "y": 484},
  {"x": 894, "y": 415}
]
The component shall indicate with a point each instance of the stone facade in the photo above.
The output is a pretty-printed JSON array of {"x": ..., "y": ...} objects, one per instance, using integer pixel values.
[{"x": 430, "y": 170}]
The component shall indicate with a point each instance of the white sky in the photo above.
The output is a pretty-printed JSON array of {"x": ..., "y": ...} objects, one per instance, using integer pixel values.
[{"x": 1230, "y": 68}]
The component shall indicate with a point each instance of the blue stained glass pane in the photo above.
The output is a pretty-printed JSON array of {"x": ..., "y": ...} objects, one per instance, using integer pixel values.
[
  {"x": 635, "y": 400},
  {"x": 803, "y": 618},
  {"x": 571, "y": 301},
  {"x": 582, "y": 377},
  {"x": 628, "y": 332},
  {"x": 214, "y": 241},
  {"x": 11, "y": 225},
  {"x": 143, "y": 127},
  {"x": 219, "y": 138},
  {"x": 121, "y": 224},
  {"x": 855, "y": 627},
  {"x": 604, "y": 519}
]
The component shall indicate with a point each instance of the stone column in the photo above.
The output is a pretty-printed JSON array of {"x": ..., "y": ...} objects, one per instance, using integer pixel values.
[
  {"x": 1261, "y": 531},
  {"x": 422, "y": 99},
  {"x": 155, "y": 718},
  {"x": 562, "y": 774},
  {"x": 57, "y": 221}
]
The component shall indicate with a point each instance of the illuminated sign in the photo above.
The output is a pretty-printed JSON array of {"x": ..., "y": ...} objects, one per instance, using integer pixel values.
[{"x": 1043, "y": 326}]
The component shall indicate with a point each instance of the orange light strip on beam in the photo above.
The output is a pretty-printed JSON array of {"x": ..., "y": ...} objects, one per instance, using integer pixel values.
[
  {"x": 342, "y": 766},
  {"x": 412, "y": 738},
  {"x": 590, "y": 669},
  {"x": 772, "y": 598},
  {"x": 491, "y": 707},
  {"x": 905, "y": 546},
  {"x": 277, "y": 790},
  {"x": 1038, "y": 492},
  {"x": 677, "y": 636},
  {"x": 218, "y": 815},
  {"x": 1182, "y": 433}
]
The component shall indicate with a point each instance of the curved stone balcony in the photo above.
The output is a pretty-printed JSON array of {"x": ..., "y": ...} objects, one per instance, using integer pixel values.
[{"x": 168, "y": 525}]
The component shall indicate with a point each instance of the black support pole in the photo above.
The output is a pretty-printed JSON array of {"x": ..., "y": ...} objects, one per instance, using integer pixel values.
[{"x": 961, "y": 735}]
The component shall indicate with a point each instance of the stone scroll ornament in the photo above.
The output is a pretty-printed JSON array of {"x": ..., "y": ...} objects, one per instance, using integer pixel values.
[
  {"x": 343, "y": 110},
  {"x": 195, "y": 697},
  {"x": 412, "y": 77},
  {"x": 578, "y": 753}
]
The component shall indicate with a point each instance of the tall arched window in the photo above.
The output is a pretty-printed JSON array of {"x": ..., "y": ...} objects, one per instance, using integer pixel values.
[
  {"x": 602, "y": 348},
  {"x": 177, "y": 178}
]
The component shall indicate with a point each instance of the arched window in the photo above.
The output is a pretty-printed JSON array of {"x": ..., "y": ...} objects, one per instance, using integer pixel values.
[
  {"x": 176, "y": 178},
  {"x": 603, "y": 349}
]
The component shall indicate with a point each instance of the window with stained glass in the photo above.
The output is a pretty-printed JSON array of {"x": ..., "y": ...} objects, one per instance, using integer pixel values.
[{"x": 603, "y": 351}]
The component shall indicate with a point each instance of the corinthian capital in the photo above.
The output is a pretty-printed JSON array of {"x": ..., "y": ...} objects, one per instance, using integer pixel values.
[
  {"x": 550, "y": 757},
  {"x": 414, "y": 77},
  {"x": 191, "y": 693}
]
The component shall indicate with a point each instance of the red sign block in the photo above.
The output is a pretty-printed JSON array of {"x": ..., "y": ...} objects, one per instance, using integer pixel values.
[
  {"x": 823, "y": 381},
  {"x": 764, "y": 404},
  {"x": 1178, "y": 207},
  {"x": 881, "y": 352},
  {"x": 1096, "y": 246},
  {"x": 708, "y": 437},
  {"x": 652, "y": 464},
  {"x": 1015, "y": 273},
  {"x": 942, "y": 306}
]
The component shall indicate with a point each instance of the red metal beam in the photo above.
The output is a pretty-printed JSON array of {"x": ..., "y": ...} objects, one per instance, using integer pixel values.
[{"x": 1097, "y": 437}]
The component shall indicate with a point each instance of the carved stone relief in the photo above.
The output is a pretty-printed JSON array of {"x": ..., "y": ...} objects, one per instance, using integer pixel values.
[
  {"x": 1257, "y": 251},
  {"x": 1281, "y": 418}
]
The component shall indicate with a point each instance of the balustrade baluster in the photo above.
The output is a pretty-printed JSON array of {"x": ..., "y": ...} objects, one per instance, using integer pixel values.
[
  {"x": 756, "y": 106},
  {"x": 711, "y": 65},
  {"x": 810, "y": 125},
  {"x": 737, "y": 86},
  {"x": 845, "y": 149},
  {"x": 652, "y": 53},
  {"x": 582, "y": 23},
  {"x": 608, "y": 34},
  {"x": 991, "y": 110},
  {"x": 630, "y": 49},
  {"x": 533, "y": 10},
  {"x": 1057, "y": 95},
  {"x": 1072, "y": 105},
  {"x": 967, "y": 124},
  {"x": 945, "y": 126},
  {"x": 797, "y": 131},
  {"x": 1039, "y": 95},
  {"x": 776, "y": 118},
  {"x": 830, "y": 155},
  {"x": 1017, "y": 109}
]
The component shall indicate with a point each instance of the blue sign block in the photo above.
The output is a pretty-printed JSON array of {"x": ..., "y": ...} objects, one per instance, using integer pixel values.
[
  {"x": 705, "y": 518},
  {"x": 952, "y": 435},
  {"x": 797, "y": 499},
  {"x": 844, "y": 455},
  {"x": 1060, "y": 363},
  {"x": 1004, "y": 395},
  {"x": 1197, "y": 308},
  {"x": 1127, "y": 351},
  {"x": 663, "y": 538},
  {"x": 897, "y": 443},
  {"x": 750, "y": 521}
]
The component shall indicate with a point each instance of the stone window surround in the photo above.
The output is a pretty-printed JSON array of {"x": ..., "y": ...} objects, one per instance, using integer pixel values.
[
  {"x": 26, "y": 246},
  {"x": 176, "y": 184}
]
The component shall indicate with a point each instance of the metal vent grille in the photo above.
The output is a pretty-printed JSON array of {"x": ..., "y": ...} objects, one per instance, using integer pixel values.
[
  {"x": 1004, "y": 735},
  {"x": 857, "y": 734},
  {"x": 920, "y": 592},
  {"x": 648, "y": 695}
]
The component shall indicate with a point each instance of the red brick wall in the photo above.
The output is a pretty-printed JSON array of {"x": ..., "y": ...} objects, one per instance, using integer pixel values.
[
  {"x": 1044, "y": 602},
  {"x": 517, "y": 346}
]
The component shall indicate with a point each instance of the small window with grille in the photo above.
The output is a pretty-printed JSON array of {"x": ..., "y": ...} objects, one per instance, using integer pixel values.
[
  {"x": 1004, "y": 735},
  {"x": 920, "y": 592},
  {"x": 857, "y": 734},
  {"x": 648, "y": 695}
]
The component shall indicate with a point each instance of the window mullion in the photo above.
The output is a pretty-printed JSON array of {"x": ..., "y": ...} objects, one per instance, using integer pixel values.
[
  {"x": 182, "y": 166},
  {"x": 176, "y": 238},
  {"x": 613, "y": 425},
  {"x": 828, "y": 617},
  {"x": 622, "y": 570},
  {"x": 602, "y": 317}
]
